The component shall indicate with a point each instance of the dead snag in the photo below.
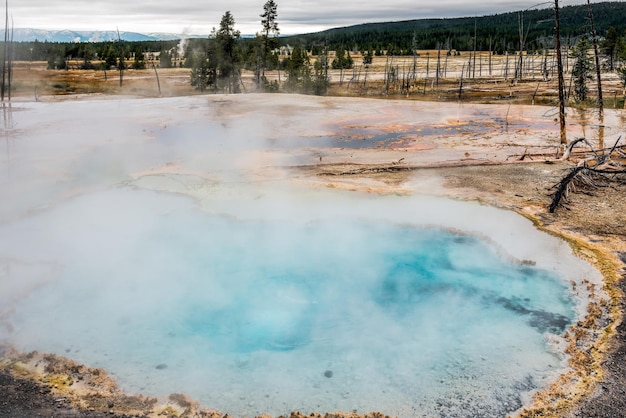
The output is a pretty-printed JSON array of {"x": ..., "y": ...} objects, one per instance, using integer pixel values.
[
  {"x": 571, "y": 145},
  {"x": 563, "y": 187},
  {"x": 589, "y": 174}
]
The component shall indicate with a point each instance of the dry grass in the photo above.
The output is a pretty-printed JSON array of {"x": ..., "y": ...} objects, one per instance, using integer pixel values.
[
  {"x": 33, "y": 80},
  {"x": 490, "y": 80}
]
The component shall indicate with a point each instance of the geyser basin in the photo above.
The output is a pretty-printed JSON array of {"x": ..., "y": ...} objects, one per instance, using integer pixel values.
[
  {"x": 298, "y": 300},
  {"x": 161, "y": 240}
]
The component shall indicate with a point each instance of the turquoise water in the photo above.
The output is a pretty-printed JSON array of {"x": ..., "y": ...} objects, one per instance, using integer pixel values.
[{"x": 292, "y": 312}]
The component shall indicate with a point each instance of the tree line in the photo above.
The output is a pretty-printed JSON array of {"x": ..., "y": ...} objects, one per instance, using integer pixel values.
[
  {"x": 58, "y": 53},
  {"x": 499, "y": 33}
]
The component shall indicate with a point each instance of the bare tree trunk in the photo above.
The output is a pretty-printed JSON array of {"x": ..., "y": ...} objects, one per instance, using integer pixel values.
[
  {"x": 6, "y": 52},
  {"x": 438, "y": 65},
  {"x": 490, "y": 55},
  {"x": 567, "y": 55},
  {"x": 257, "y": 74},
  {"x": 535, "y": 94},
  {"x": 157, "y": 77},
  {"x": 568, "y": 90},
  {"x": 365, "y": 75},
  {"x": 506, "y": 66},
  {"x": 427, "y": 70},
  {"x": 386, "y": 75},
  {"x": 559, "y": 63},
  {"x": 461, "y": 82},
  {"x": 474, "y": 64},
  {"x": 121, "y": 57},
  {"x": 595, "y": 53},
  {"x": 396, "y": 76},
  {"x": 599, "y": 78},
  {"x": 10, "y": 59},
  {"x": 414, "y": 46},
  {"x": 520, "y": 26}
]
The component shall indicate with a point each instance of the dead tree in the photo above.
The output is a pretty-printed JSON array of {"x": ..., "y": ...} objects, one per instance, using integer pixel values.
[
  {"x": 10, "y": 61},
  {"x": 506, "y": 66},
  {"x": 475, "y": 45},
  {"x": 414, "y": 51},
  {"x": 598, "y": 76},
  {"x": 559, "y": 63},
  {"x": 365, "y": 75},
  {"x": 121, "y": 57},
  {"x": 490, "y": 55},
  {"x": 386, "y": 76},
  {"x": 6, "y": 52},
  {"x": 157, "y": 78},
  {"x": 427, "y": 71},
  {"x": 438, "y": 72},
  {"x": 461, "y": 82},
  {"x": 594, "y": 39},
  {"x": 599, "y": 170}
]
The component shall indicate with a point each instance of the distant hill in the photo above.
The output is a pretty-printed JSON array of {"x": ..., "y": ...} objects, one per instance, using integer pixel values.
[
  {"x": 65, "y": 36},
  {"x": 498, "y": 32}
]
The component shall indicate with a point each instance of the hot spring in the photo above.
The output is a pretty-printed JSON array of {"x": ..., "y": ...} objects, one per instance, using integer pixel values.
[{"x": 255, "y": 294}]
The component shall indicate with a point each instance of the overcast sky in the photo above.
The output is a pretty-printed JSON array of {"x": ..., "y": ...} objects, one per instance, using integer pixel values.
[{"x": 200, "y": 16}]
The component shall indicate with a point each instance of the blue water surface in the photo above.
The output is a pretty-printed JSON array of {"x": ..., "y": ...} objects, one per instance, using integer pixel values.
[{"x": 259, "y": 315}]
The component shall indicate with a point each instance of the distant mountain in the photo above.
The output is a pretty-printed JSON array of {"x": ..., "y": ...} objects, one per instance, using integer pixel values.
[
  {"x": 498, "y": 32},
  {"x": 30, "y": 35}
]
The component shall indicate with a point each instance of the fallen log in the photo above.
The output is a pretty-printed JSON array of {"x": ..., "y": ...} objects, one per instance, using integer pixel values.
[
  {"x": 563, "y": 187},
  {"x": 589, "y": 173}
]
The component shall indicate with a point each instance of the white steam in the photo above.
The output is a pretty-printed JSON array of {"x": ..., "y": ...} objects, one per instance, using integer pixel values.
[{"x": 167, "y": 233}]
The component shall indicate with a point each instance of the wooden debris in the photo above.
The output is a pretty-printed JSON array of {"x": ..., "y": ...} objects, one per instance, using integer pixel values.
[{"x": 598, "y": 170}]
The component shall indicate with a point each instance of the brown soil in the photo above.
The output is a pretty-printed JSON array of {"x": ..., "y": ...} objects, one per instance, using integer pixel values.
[{"x": 24, "y": 398}]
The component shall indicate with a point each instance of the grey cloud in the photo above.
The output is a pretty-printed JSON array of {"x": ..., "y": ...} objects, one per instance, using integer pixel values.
[{"x": 294, "y": 16}]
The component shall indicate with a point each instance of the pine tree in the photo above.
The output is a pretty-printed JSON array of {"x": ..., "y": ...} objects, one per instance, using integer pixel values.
[
  {"x": 611, "y": 47},
  {"x": 139, "y": 63},
  {"x": 342, "y": 60},
  {"x": 582, "y": 69},
  {"x": 320, "y": 79},
  {"x": 298, "y": 68},
  {"x": 202, "y": 76},
  {"x": 368, "y": 57},
  {"x": 270, "y": 27},
  {"x": 228, "y": 60},
  {"x": 165, "y": 59}
]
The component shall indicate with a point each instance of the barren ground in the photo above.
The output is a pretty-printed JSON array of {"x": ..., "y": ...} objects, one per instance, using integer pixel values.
[{"x": 597, "y": 220}]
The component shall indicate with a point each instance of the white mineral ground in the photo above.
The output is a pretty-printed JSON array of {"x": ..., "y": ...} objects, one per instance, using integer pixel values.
[{"x": 279, "y": 144}]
